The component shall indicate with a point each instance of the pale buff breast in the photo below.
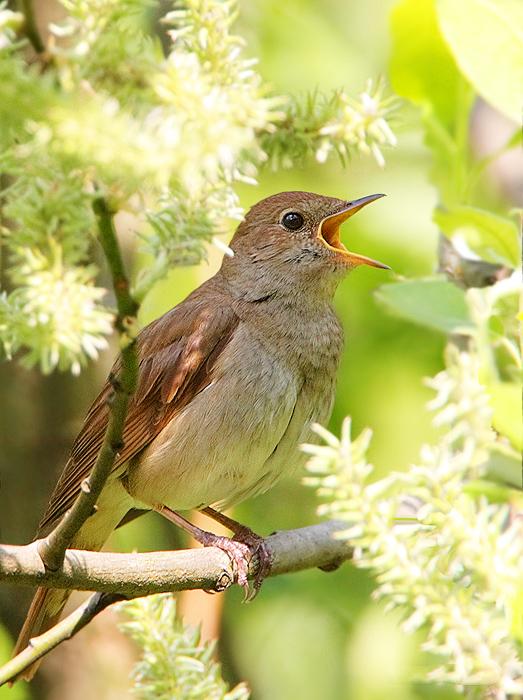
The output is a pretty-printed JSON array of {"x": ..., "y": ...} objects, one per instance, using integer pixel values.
[{"x": 243, "y": 414}]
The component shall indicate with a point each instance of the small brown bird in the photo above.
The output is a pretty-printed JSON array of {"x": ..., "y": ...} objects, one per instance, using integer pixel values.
[{"x": 230, "y": 381}]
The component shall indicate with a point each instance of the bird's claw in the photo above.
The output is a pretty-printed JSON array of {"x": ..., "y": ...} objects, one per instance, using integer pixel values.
[
  {"x": 243, "y": 549},
  {"x": 260, "y": 556}
]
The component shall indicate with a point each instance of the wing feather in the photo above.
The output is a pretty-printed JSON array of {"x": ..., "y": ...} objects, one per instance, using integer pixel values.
[{"x": 177, "y": 354}]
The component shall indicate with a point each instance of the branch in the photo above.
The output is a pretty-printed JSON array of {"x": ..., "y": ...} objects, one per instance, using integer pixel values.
[
  {"x": 123, "y": 576},
  {"x": 46, "y": 642},
  {"x": 118, "y": 576},
  {"x": 30, "y": 26},
  {"x": 139, "y": 574},
  {"x": 52, "y": 549},
  {"x": 464, "y": 272}
]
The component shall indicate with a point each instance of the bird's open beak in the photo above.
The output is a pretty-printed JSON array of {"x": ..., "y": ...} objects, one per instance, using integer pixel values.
[{"x": 329, "y": 232}]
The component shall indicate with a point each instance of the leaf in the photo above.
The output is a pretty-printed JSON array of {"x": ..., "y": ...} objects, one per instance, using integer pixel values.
[
  {"x": 516, "y": 609},
  {"x": 504, "y": 465},
  {"x": 506, "y": 404},
  {"x": 486, "y": 39},
  {"x": 494, "y": 238},
  {"x": 492, "y": 491},
  {"x": 422, "y": 69},
  {"x": 431, "y": 302}
]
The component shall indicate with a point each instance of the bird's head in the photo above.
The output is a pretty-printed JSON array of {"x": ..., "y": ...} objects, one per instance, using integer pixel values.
[{"x": 295, "y": 236}]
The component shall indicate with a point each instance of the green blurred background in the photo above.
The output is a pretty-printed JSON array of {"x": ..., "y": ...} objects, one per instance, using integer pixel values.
[{"x": 310, "y": 635}]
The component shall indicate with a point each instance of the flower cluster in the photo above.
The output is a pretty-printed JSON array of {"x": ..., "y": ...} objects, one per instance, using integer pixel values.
[
  {"x": 55, "y": 311},
  {"x": 58, "y": 317},
  {"x": 319, "y": 125},
  {"x": 162, "y": 118},
  {"x": 10, "y": 22},
  {"x": 175, "y": 663},
  {"x": 449, "y": 559}
]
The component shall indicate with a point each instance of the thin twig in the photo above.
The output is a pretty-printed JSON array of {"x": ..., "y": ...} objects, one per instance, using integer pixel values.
[
  {"x": 30, "y": 26},
  {"x": 126, "y": 576},
  {"x": 52, "y": 548},
  {"x": 65, "y": 629}
]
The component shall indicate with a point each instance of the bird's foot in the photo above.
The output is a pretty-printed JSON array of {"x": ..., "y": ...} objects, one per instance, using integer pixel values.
[
  {"x": 261, "y": 555},
  {"x": 257, "y": 547},
  {"x": 239, "y": 554},
  {"x": 244, "y": 547}
]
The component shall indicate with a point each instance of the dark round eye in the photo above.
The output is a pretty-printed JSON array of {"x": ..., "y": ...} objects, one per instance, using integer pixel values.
[{"x": 292, "y": 220}]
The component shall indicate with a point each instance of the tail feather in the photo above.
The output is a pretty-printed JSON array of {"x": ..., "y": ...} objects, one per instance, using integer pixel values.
[
  {"x": 45, "y": 609},
  {"x": 47, "y": 604}
]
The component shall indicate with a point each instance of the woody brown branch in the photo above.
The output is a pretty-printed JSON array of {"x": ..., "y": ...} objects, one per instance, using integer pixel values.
[
  {"x": 135, "y": 575},
  {"x": 124, "y": 576}
]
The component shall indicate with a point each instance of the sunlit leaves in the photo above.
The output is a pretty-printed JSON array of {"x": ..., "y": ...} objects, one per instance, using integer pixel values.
[
  {"x": 422, "y": 68},
  {"x": 493, "y": 238},
  {"x": 486, "y": 38},
  {"x": 431, "y": 302},
  {"x": 507, "y": 410}
]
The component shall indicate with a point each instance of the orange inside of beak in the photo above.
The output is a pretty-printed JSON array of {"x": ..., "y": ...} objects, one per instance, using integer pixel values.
[{"x": 329, "y": 232}]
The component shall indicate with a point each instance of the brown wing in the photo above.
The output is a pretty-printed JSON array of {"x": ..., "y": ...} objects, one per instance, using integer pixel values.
[{"x": 177, "y": 353}]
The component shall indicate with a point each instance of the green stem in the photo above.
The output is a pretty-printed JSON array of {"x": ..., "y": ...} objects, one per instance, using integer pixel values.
[
  {"x": 52, "y": 549},
  {"x": 46, "y": 642},
  {"x": 127, "y": 306}
]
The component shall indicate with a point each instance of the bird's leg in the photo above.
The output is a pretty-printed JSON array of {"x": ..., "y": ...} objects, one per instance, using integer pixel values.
[
  {"x": 232, "y": 525},
  {"x": 256, "y": 544},
  {"x": 239, "y": 552}
]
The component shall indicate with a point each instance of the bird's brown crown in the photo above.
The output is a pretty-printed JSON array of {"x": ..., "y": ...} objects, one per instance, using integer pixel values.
[{"x": 300, "y": 228}]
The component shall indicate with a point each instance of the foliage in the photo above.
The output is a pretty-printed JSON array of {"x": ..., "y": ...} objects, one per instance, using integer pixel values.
[
  {"x": 478, "y": 235},
  {"x": 174, "y": 662},
  {"x": 433, "y": 302},
  {"x": 444, "y": 538},
  {"x": 442, "y": 553},
  {"x": 162, "y": 130},
  {"x": 464, "y": 26},
  {"x": 321, "y": 124}
]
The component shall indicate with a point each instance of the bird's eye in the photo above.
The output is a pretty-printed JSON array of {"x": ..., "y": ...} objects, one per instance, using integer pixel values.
[{"x": 292, "y": 221}]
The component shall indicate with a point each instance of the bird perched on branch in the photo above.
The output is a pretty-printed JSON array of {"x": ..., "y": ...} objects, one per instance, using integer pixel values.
[{"x": 229, "y": 382}]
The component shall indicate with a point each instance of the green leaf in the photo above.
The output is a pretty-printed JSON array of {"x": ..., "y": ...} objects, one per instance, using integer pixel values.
[
  {"x": 19, "y": 691},
  {"x": 504, "y": 466},
  {"x": 422, "y": 69},
  {"x": 506, "y": 404},
  {"x": 492, "y": 491},
  {"x": 486, "y": 38},
  {"x": 431, "y": 302},
  {"x": 516, "y": 609},
  {"x": 494, "y": 238}
]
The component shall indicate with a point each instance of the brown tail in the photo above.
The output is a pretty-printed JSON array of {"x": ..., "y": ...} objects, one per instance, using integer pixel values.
[
  {"x": 47, "y": 605},
  {"x": 45, "y": 609}
]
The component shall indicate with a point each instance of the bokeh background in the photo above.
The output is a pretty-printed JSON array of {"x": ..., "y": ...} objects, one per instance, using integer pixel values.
[{"x": 310, "y": 635}]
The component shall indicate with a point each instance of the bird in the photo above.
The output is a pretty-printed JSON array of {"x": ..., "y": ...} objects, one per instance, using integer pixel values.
[{"x": 230, "y": 381}]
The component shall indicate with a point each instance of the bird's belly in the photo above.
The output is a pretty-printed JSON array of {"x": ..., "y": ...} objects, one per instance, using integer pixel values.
[{"x": 218, "y": 449}]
